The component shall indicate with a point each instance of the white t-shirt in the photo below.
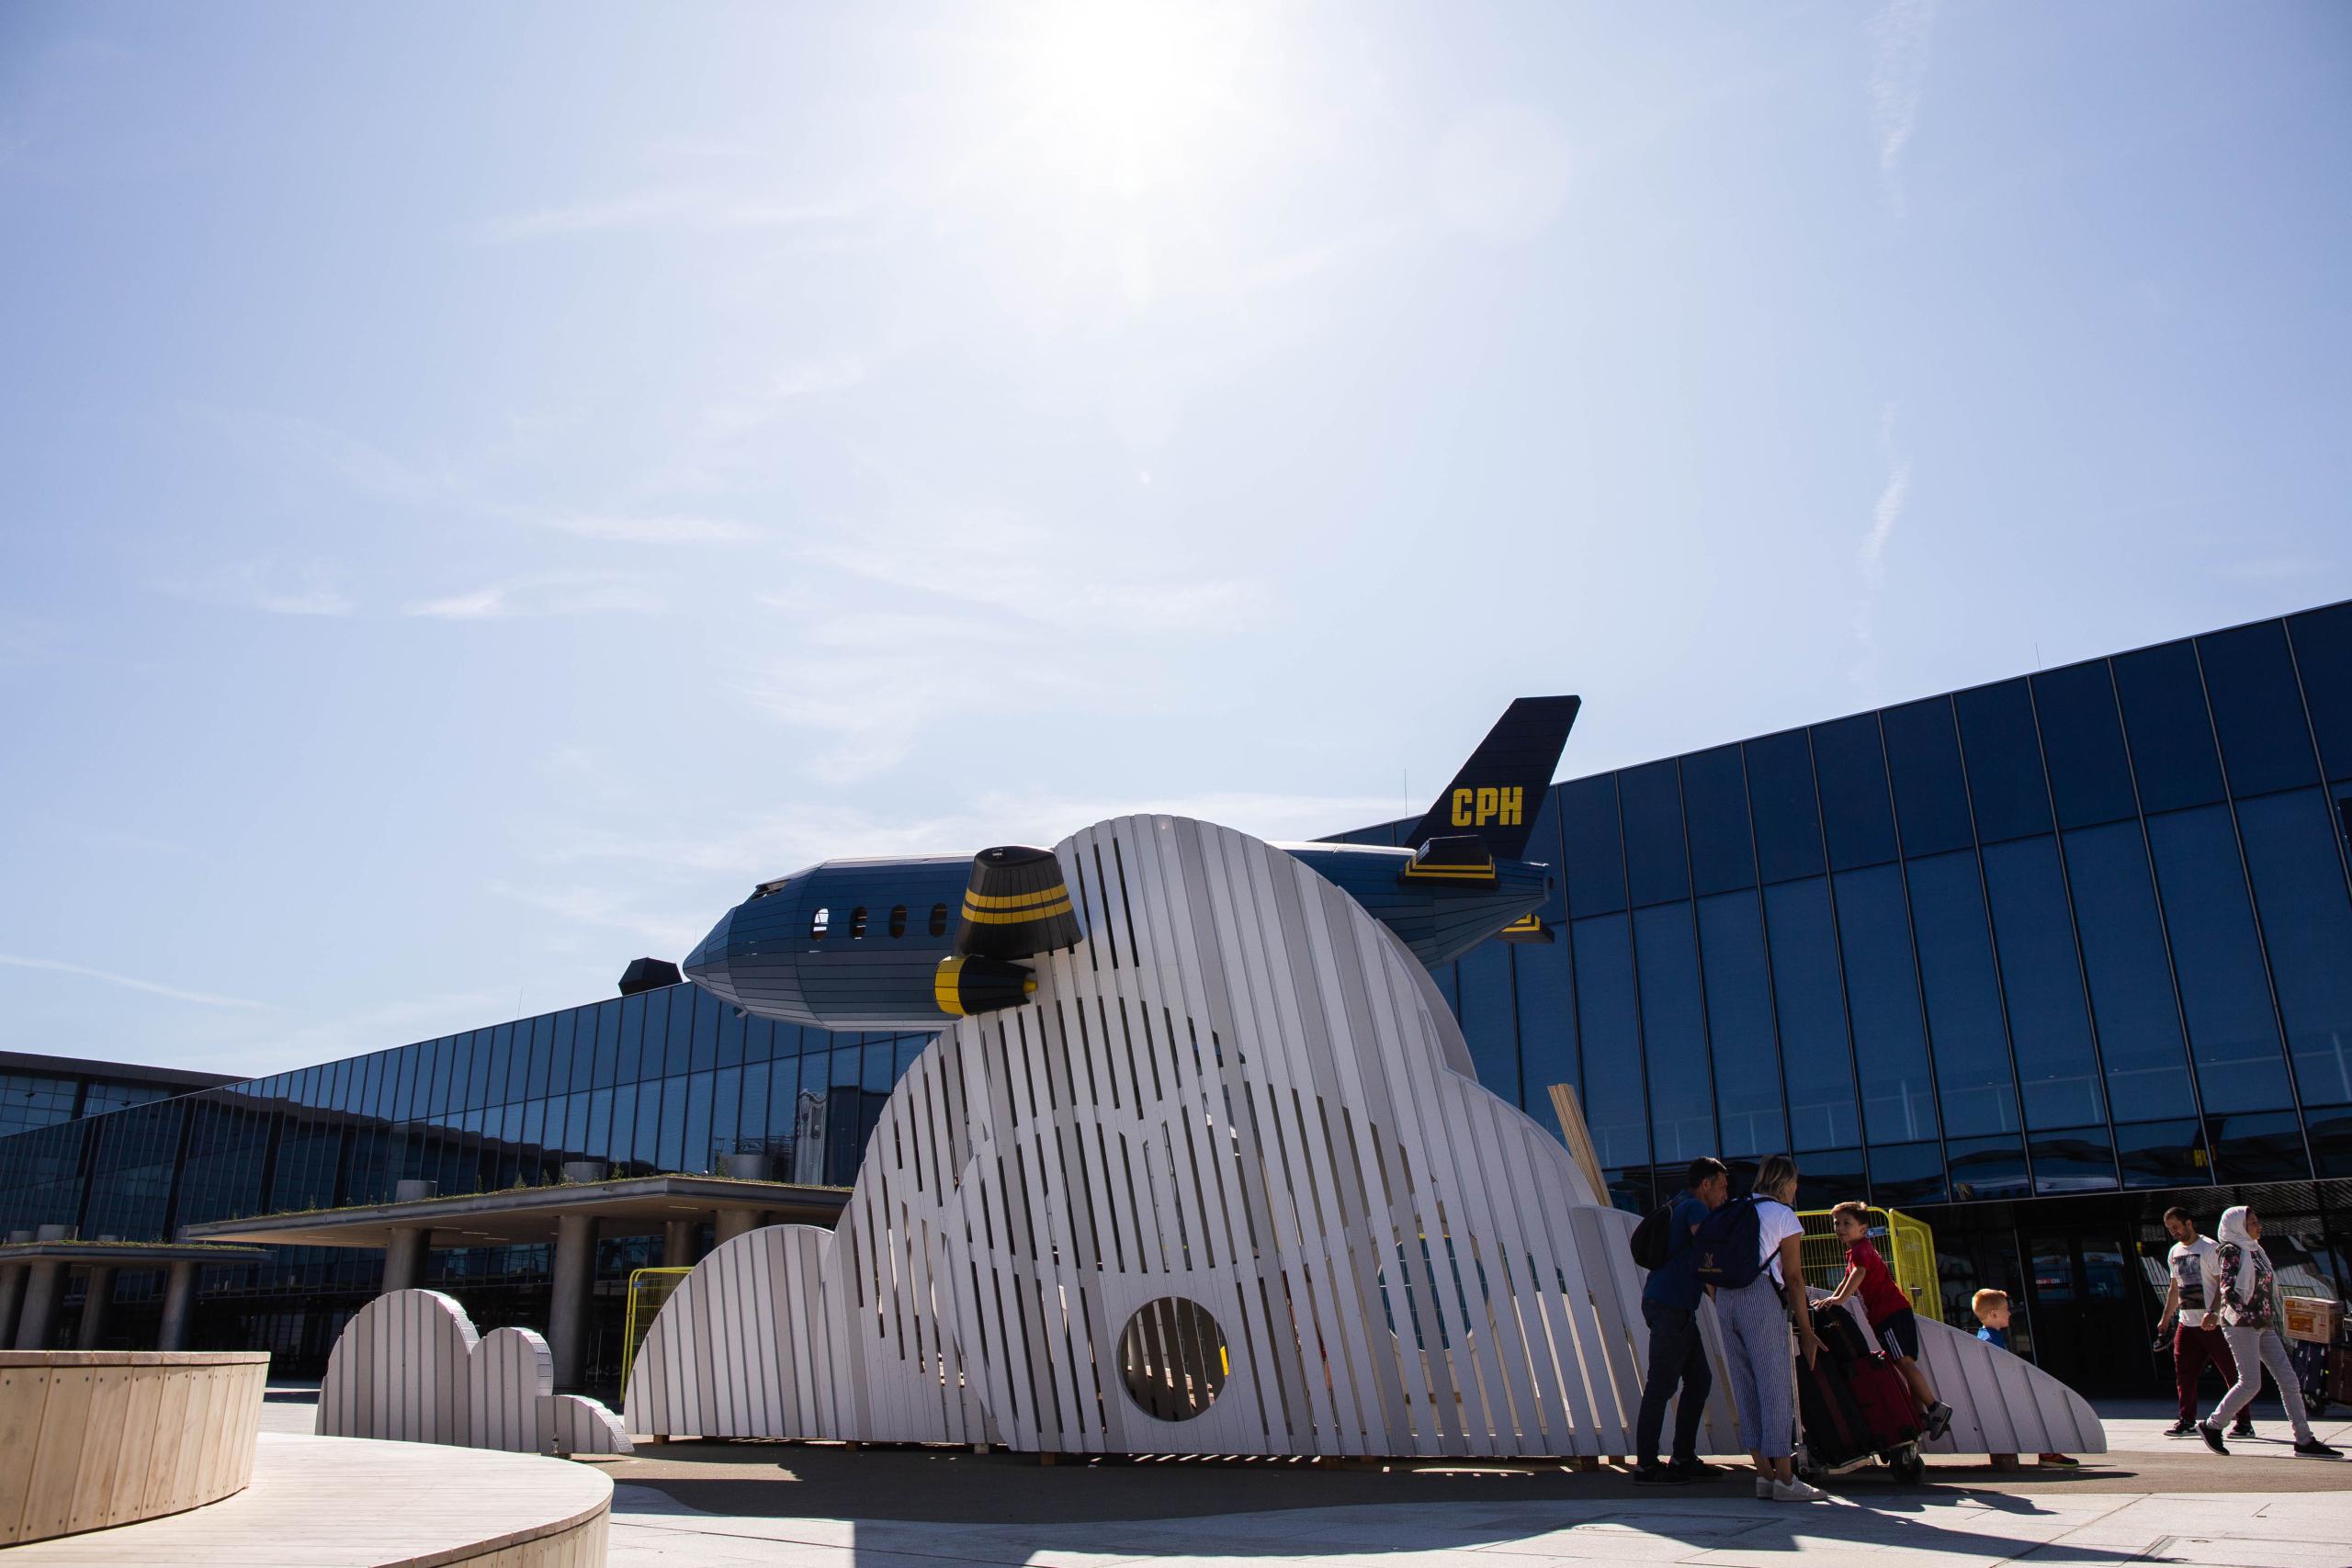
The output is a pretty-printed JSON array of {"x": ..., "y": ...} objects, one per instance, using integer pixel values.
[
  {"x": 1775, "y": 1222},
  {"x": 2195, "y": 1268}
]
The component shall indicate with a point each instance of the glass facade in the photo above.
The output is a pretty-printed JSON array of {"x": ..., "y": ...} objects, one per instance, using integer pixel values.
[{"x": 2079, "y": 937}]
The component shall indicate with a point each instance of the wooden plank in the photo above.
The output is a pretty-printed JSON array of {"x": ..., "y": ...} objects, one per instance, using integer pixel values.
[
  {"x": 1565, "y": 1106},
  {"x": 102, "y": 1449},
  {"x": 24, "y": 1392}
]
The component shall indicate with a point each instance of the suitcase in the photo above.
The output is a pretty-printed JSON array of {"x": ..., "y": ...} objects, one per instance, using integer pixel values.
[
  {"x": 1851, "y": 1404},
  {"x": 2310, "y": 1362}
]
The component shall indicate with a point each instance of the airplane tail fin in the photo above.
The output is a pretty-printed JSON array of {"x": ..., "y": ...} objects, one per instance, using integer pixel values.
[{"x": 1496, "y": 795}]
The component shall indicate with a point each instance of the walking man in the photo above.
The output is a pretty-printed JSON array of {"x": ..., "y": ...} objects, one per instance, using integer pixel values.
[
  {"x": 2191, "y": 1298},
  {"x": 1678, "y": 1354}
]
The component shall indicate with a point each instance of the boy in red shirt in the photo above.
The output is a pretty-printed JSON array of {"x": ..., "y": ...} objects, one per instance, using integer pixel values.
[{"x": 1888, "y": 1308}]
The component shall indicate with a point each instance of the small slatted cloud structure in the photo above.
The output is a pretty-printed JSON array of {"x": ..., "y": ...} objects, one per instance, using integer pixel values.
[
  {"x": 410, "y": 1368},
  {"x": 1228, "y": 1184}
]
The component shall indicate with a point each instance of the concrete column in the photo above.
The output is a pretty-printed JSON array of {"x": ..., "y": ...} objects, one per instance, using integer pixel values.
[
  {"x": 94, "y": 1301},
  {"x": 12, "y": 1297},
  {"x": 404, "y": 1258},
  {"x": 44, "y": 1284},
  {"x": 733, "y": 1222},
  {"x": 573, "y": 1284},
  {"x": 179, "y": 1307},
  {"x": 678, "y": 1244}
]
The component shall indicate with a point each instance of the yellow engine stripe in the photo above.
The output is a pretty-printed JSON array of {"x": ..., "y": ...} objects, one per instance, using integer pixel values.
[
  {"x": 1449, "y": 873},
  {"x": 1016, "y": 916},
  {"x": 1524, "y": 923},
  {"x": 1014, "y": 900},
  {"x": 946, "y": 987}
]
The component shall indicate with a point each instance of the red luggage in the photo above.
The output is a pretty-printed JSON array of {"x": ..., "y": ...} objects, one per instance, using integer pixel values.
[{"x": 1852, "y": 1404}]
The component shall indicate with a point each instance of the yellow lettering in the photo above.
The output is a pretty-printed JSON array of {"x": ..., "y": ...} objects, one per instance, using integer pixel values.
[
  {"x": 1511, "y": 799},
  {"x": 1462, "y": 808},
  {"x": 1489, "y": 803}
]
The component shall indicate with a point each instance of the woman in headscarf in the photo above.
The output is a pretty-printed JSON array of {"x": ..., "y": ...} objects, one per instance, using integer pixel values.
[{"x": 2249, "y": 1313}]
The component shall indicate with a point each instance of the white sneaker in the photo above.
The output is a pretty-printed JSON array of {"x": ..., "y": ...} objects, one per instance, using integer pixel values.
[
  {"x": 1796, "y": 1490},
  {"x": 1763, "y": 1488}
]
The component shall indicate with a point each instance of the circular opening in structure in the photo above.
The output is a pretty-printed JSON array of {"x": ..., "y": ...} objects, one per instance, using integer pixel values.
[{"x": 1174, "y": 1358}]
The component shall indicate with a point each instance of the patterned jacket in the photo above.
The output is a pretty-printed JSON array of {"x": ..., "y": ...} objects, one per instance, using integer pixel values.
[{"x": 2249, "y": 1292}]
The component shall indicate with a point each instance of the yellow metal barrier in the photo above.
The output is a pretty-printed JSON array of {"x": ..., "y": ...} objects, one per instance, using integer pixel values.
[
  {"x": 648, "y": 1289},
  {"x": 1908, "y": 1245}
]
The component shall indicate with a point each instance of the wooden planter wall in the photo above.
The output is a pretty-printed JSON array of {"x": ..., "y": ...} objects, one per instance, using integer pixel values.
[{"x": 90, "y": 1439}]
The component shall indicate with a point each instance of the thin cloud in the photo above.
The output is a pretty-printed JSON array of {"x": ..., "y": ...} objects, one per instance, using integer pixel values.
[
  {"x": 1885, "y": 516},
  {"x": 550, "y": 593},
  {"x": 260, "y": 585},
  {"x": 108, "y": 976},
  {"x": 699, "y": 208},
  {"x": 647, "y": 530},
  {"x": 1900, "y": 36}
]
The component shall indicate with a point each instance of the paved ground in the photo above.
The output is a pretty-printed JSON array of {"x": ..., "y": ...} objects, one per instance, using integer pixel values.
[{"x": 2150, "y": 1499}]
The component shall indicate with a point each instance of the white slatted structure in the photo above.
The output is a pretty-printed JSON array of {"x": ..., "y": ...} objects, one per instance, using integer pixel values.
[
  {"x": 410, "y": 1368},
  {"x": 1238, "y": 1091}
]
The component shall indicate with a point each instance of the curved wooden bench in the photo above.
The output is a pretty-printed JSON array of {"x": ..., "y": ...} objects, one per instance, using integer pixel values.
[
  {"x": 92, "y": 1438},
  {"x": 358, "y": 1503}
]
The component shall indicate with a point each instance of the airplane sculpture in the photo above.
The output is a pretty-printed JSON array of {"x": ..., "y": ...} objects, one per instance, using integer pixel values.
[{"x": 918, "y": 943}]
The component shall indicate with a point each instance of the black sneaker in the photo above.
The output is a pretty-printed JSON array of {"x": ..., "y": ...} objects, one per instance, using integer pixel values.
[
  {"x": 1938, "y": 1420},
  {"x": 2213, "y": 1435},
  {"x": 2311, "y": 1447},
  {"x": 1697, "y": 1469},
  {"x": 2244, "y": 1429},
  {"x": 1660, "y": 1475},
  {"x": 2181, "y": 1429}
]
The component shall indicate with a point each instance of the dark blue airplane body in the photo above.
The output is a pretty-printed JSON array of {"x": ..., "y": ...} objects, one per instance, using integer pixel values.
[{"x": 916, "y": 943}]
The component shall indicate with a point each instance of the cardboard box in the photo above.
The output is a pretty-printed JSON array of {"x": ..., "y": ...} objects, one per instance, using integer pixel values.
[{"x": 2314, "y": 1318}]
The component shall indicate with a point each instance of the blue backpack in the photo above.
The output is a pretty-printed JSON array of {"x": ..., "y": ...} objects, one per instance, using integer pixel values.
[{"x": 1727, "y": 1247}]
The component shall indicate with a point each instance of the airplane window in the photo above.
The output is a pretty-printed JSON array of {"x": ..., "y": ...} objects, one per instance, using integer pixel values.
[
  {"x": 939, "y": 920},
  {"x": 817, "y": 927},
  {"x": 898, "y": 920},
  {"x": 857, "y": 921}
]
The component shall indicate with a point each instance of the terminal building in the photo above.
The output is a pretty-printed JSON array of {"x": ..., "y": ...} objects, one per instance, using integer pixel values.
[{"x": 2030, "y": 961}]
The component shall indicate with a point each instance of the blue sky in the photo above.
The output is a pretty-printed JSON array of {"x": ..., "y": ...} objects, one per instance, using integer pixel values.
[{"x": 480, "y": 486}]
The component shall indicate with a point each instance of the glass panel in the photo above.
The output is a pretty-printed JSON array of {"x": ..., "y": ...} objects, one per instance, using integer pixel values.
[
  {"x": 1829, "y": 1175},
  {"x": 1814, "y": 1055},
  {"x": 2049, "y": 1029},
  {"x": 607, "y": 1046},
  {"x": 2259, "y": 1148},
  {"x": 1997, "y": 734},
  {"x": 2264, "y": 743},
  {"x": 1739, "y": 1025},
  {"x": 2082, "y": 736},
  {"x": 1716, "y": 807},
  {"x": 1787, "y": 822},
  {"x": 751, "y": 1103},
  {"x": 622, "y": 1147},
  {"x": 1485, "y": 1009},
  {"x": 849, "y": 1064},
  {"x": 1547, "y": 1027},
  {"x": 1656, "y": 865},
  {"x": 645, "y": 1143},
  {"x": 1904, "y": 1174},
  {"x": 2232, "y": 1031},
  {"x": 2164, "y": 716},
  {"x": 1931, "y": 795},
  {"x": 643, "y": 1018},
  {"x": 2322, "y": 640},
  {"x": 731, "y": 1032},
  {"x": 1595, "y": 858},
  {"x": 1882, "y": 1000},
  {"x": 1612, "y": 1042},
  {"x": 2132, "y": 1003},
  {"x": 700, "y": 1089},
  {"x": 1986, "y": 1167},
  {"x": 2162, "y": 1154},
  {"x": 1855, "y": 808},
  {"x": 2307, "y": 923},
  {"x": 2331, "y": 1140},
  {"x": 1682, "y": 1115},
  {"x": 2078, "y": 1160},
  {"x": 687, "y": 1052},
  {"x": 1972, "y": 1047}
]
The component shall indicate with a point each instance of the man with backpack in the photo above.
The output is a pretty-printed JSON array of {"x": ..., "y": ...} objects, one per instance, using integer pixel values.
[{"x": 1670, "y": 1307}]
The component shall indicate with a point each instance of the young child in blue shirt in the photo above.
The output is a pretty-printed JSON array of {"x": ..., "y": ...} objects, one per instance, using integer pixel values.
[{"x": 1992, "y": 1309}]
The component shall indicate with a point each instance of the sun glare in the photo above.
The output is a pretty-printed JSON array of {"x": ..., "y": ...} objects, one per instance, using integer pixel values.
[{"x": 1133, "y": 95}]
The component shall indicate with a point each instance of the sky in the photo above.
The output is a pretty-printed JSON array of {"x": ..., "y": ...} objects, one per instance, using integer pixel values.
[{"x": 483, "y": 486}]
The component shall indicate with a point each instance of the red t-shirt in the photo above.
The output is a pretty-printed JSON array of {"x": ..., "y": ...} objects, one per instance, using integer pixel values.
[{"x": 1882, "y": 1297}]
